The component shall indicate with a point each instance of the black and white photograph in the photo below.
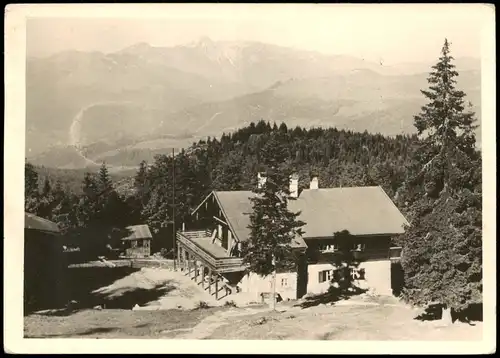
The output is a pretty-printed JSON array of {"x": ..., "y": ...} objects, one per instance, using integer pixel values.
[{"x": 218, "y": 173}]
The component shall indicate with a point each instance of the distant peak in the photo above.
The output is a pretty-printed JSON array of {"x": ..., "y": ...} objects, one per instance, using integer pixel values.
[
  {"x": 205, "y": 40},
  {"x": 140, "y": 46},
  {"x": 202, "y": 42}
]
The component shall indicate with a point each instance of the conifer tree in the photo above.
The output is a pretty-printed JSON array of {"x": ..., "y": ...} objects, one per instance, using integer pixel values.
[
  {"x": 47, "y": 189},
  {"x": 442, "y": 247},
  {"x": 31, "y": 194},
  {"x": 157, "y": 212},
  {"x": 87, "y": 206},
  {"x": 46, "y": 202},
  {"x": 63, "y": 212},
  {"x": 104, "y": 183},
  {"x": 140, "y": 179},
  {"x": 272, "y": 225},
  {"x": 229, "y": 175}
]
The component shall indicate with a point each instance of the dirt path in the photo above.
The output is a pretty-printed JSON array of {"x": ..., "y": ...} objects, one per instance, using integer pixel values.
[{"x": 207, "y": 327}]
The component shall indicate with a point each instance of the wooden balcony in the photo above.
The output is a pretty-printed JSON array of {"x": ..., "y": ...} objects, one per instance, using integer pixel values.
[
  {"x": 382, "y": 254},
  {"x": 199, "y": 244}
]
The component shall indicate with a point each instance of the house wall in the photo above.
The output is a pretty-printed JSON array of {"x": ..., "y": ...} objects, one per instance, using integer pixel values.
[
  {"x": 313, "y": 284},
  {"x": 142, "y": 251},
  {"x": 374, "y": 260},
  {"x": 286, "y": 285},
  {"x": 378, "y": 276},
  {"x": 45, "y": 271}
]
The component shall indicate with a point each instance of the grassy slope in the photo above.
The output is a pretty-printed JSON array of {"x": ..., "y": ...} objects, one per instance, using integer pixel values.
[
  {"x": 363, "y": 317},
  {"x": 113, "y": 324},
  {"x": 343, "y": 322}
]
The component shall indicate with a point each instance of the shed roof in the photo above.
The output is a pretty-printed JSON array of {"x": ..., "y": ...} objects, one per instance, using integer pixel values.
[
  {"x": 138, "y": 232},
  {"x": 33, "y": 222},
  {"x": 360, "y": 210}
]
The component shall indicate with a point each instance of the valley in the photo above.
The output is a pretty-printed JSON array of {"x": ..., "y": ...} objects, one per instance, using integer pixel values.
[{"x": 121, "y": 108}]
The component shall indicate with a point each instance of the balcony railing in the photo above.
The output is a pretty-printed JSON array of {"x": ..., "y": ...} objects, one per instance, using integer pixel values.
[
  {"x": 218, "y": 264},
  {"x": 368, "y": 254},
  {"x": 196, "y": 234}
]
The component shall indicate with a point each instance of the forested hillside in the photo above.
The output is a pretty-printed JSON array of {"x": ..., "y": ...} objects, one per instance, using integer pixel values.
[{"x": 338, "y": 157}]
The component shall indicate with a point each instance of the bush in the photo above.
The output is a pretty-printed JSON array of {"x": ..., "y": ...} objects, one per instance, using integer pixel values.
[
  {"x": 230, "y": 304},
  {"x": 202, "y": 305}
]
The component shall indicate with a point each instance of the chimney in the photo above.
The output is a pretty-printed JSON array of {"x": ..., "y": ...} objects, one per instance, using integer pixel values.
[
  {"x": 314, "y": 183},
  {"x": 261, "y": 180},
  {"x": 294, "y": 185}
]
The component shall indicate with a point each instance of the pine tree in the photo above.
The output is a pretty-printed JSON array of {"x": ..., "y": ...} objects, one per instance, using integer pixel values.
[
  {"x": 229, "y": 175},
  {"x": 31, "y": 194},
  {"x": 272, "y": 225},
  {"x": 104, "y": 183},
  {"x": 58, "y": 189},
  {"x": 46, "y": 202},
  {"x": 46, "y": 189},
  {"x": 344, "y": 262},
  {"x": 157, "y": 212},
  {"x": 442, "y": 247},
  {"x": 88, "y": 204},
  {"x": 141, "y": 192},
  {"x": 140, "y": 180},
  {"x": 64, "y": 212}
]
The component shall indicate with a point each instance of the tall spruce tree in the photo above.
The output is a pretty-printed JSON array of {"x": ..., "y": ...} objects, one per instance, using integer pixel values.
[
  {"x": 104, "y": 183},
  {"x": 87, "y": 206},
  {"x": 141, "y": 192},
  {"x": 156, "y": 209},
  {"x": 442, "y": 247},
  {"x": 31, "y": 194},
  {"x": 46, "y": 202},
  {"x": 140, "y": 179},
  {"x": 272, "y": 225}
]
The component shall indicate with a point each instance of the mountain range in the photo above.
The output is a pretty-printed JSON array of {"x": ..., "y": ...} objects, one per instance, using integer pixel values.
[{"x": 84, "y": 108}]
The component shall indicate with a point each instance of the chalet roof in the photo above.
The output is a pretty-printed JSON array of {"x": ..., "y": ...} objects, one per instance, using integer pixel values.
[
  {"x": 138, "y": 232},
  {"x": 360, "y": 210},
  {"x": 237, "y": 207},
  {"x": 33, "y": 222}
]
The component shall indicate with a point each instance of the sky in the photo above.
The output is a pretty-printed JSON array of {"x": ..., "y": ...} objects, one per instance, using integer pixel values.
[{"x": 393, "y": 33}]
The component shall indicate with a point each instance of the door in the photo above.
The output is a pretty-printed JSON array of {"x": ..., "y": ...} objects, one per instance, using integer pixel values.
[
  {"x": 225, "y": 237},
  {"x": 302, "y": 275}
]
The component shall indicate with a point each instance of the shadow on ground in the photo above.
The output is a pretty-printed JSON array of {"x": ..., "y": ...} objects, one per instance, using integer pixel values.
[
  {"x": 434, "y": 312},
  {"x": 84, "y": 282},
  {"x": 331, "y": 296},
  {"x": 88, "y": 332},
  {"x": 139, "y": 296},
  {"x": 77, "y": 284}
]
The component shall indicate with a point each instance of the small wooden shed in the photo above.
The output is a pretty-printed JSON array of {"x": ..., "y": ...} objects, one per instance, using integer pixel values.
[
  {"x": 138, "y": 243},
  {"x": 45, "y": 264}
]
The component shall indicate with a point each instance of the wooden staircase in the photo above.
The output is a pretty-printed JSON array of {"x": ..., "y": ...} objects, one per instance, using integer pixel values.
[{"x": 215, "y": 283}]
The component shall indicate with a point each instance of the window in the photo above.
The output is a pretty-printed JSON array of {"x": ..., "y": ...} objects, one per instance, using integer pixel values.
[
  {"x": 140, "y": 243},
  {"x": 284, "y": 282},
  {"x": 358, "y": 246},
  {"x": 328, "y": 247},
  {"x": 325, "y": 275}
]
